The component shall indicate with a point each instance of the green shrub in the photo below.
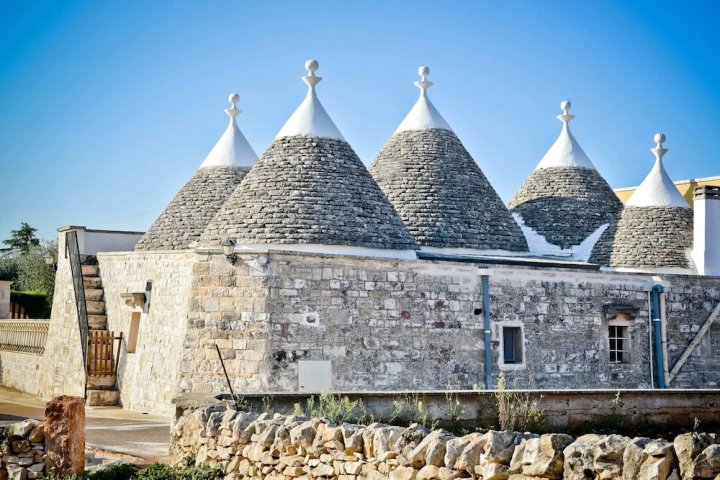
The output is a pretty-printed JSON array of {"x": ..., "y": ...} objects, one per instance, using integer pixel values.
[
  {"x": 156, "y": 471},
  {"x": 34, "y": 302},
  {"x": 9, "y": 268},
  {"x": 517, "y": 410}
]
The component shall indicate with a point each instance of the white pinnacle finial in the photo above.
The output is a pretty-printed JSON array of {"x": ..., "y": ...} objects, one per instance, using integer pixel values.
[
  {"x": 311, "y": 80},
  {"x": 233, "y": 111},
  {"x": 565, "y": 117},
  {"x": 424, "y": 83},
  {"x": 659, "y": 150}
]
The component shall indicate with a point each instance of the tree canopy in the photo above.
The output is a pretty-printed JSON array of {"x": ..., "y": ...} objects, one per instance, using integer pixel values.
[{"x": 23, "y": 238}]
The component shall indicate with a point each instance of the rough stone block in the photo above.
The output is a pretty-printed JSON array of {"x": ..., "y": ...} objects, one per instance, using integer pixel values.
[{"x": 65, "y": 434}]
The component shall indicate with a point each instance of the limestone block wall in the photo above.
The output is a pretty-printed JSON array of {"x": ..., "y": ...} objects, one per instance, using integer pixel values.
[
  {"x": 565, "y": 328},
  {"x": 148, "y": 378},
  {"x": 383, "y": 324},
  {"x": 62, "y": 371},
  {"x": 688, "y": 304},
  {"x": 20, "y": 371},
  {"x": 227, "y": 309},
  {"x": 23, "y": 450}
]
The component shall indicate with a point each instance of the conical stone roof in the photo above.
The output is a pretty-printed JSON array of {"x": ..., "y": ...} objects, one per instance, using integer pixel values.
[
  {"x": 309, "y": 188},
  {"x": 565, "y": 204},
  {"x": 655, "y": 229},
  {"x": 437, "y": 188},
  {"x": 187, "y": 215}
]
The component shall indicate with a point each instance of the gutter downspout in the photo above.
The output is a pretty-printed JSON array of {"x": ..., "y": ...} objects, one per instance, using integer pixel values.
[
  {"x": 657, "y": 328},
  {"x": 485, "y": 278},
  {"x": 663, "y": 322}
]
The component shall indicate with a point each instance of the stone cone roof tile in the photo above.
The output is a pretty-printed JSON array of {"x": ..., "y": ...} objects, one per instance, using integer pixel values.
[
  {"x": 442, "y": 195},
  {"x": 187, "y": 215},
  {"x": 647, "y": 237},
  {"x": 309, "y": 190},
  {"x": 566, "y": 204}
]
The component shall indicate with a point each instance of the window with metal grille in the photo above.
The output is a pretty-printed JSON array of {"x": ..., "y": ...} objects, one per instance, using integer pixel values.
[
  {"x": 619, "y": 343},
  {"x": 512, "y": 345}
]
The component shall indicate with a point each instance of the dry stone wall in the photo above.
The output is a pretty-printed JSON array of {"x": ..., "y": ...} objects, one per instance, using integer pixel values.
[
  {"x": 23, "y": 450},
  {"x": 247, "y": 445}
]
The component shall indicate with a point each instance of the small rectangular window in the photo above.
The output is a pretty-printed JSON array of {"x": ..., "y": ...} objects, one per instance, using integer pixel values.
[
  {"x": 512, "y": 345},
  {"x": 618, "y": 338}
]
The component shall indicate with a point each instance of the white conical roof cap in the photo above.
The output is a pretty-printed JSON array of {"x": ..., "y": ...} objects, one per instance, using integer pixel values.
[
  {"x": 658, "y": 189},
  {"x": 310, "y": 118},
  {"x": 423, "y": 114},
  {"x": 566, "y": 151},
  {"x": 232, "y": 149}
]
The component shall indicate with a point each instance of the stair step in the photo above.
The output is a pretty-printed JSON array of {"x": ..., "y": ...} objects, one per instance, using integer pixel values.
[
  {"x": 101, "y": 383},
  {"x": 97, "y": 322},
  {"x": 90, "y": 270},
  {"x": 92, "y": 282},
  {"x": 88, "y": 260},
  {"x": 94, "y": 294},
  {"x": 102, "y": 398},
  {"x": 95, "y": 308}
]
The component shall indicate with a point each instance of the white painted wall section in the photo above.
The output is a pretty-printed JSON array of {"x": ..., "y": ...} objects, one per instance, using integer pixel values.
[{"x": 706, "y": 247}]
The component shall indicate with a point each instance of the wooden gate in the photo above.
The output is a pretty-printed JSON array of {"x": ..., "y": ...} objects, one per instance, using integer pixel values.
[{"x": 102, "y": 357}]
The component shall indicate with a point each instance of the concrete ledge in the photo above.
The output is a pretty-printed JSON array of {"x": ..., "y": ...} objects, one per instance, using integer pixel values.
[{"x": 588, "y": 409}]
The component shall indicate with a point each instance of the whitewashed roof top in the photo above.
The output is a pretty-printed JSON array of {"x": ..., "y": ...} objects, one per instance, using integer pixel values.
[
  {"x": 657, "y": 190},
  {"x": 310, "y": 118},
  {"x": 423, "y": 114},
  {"x": 232, "y": 149},
  {"x": 566, "y": 151}
]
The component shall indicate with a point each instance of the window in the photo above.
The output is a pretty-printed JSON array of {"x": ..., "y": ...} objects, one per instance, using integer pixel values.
[
  {"x": 512, "y": 345},
  {"x": 619, "y": 343}
]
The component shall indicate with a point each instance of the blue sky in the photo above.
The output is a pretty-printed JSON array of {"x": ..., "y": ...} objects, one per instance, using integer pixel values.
[{"x": 107, "y": 108}]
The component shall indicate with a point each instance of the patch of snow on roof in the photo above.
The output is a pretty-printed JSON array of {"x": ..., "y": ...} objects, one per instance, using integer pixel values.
[
  {"x": 310, "y": 118},
  {"x": 566, "y": 151},
  {"x": 232, "y": 149},
  {"x": 539, "y": 246},
  {"x": 657, "y": 190},
  {"x": 423, "y": 114}
]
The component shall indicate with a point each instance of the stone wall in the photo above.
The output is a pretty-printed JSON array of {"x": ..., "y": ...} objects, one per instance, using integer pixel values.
[
  {"x": 23, "y": 450},
  {"x": 20, "y": 371},
  {"x": 62, "y": 371},
  {"x": 688, "y": 304},
  {"x": 372, "y": 324},
  {"x": 148, "y": 378},
  {"x": 387, "y": 324},
  {"x": 248, "y": 445}
]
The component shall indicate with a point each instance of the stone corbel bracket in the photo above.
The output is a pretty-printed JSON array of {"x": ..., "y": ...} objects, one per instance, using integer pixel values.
[
  {"x": 134, "y": 299},
  {"x": 612, "y": 310}
]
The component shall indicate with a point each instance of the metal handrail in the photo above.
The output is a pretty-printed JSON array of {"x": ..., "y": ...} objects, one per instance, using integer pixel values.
[{"x": 72, "y": 248}]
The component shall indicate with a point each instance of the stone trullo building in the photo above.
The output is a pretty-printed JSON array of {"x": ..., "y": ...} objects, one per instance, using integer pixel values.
[
  {"x": 443, "y": 198},
  {"x": 565, "y": 204},
  {"x": 656, "y": 225},
  {"x": 187, "y": 215},
  {"x": 313, "y": 276}
]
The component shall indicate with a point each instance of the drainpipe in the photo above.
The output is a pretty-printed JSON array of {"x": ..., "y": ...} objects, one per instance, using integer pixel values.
[
  {"x": 657, "y": 329},
  {"x": 485, "y": 278}
]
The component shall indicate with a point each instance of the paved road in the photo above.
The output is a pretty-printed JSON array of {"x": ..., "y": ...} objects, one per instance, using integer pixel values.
[{"x": 108, "y": 429}]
